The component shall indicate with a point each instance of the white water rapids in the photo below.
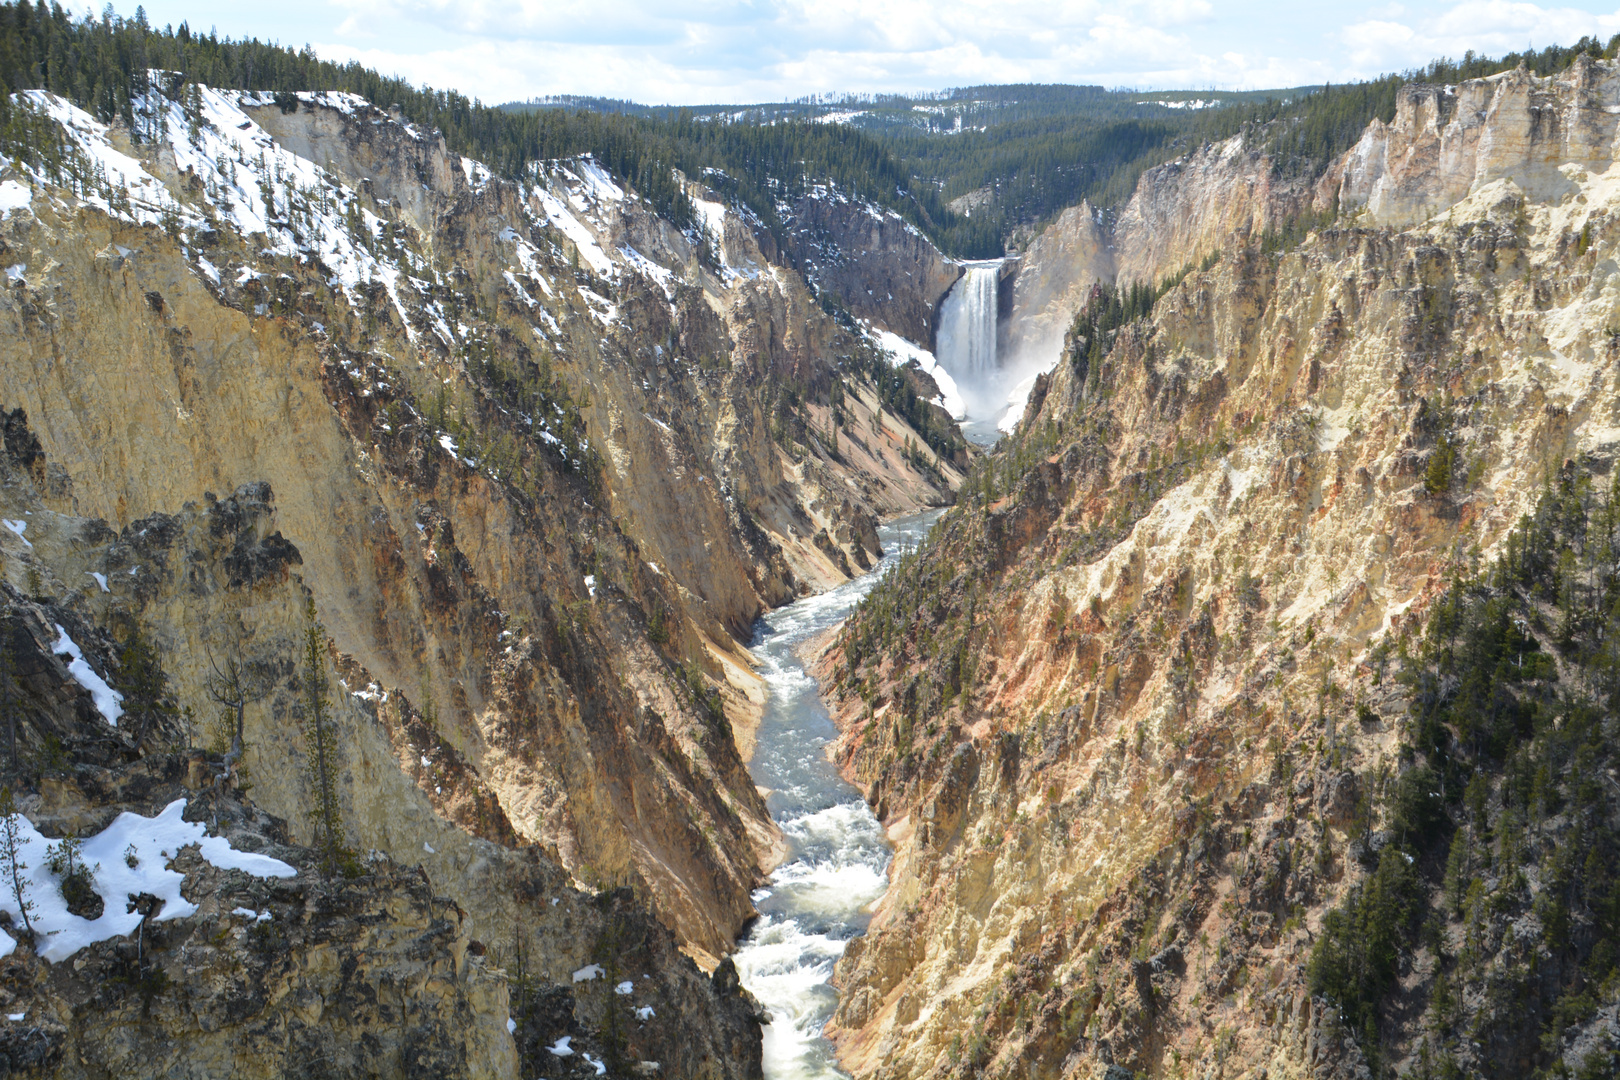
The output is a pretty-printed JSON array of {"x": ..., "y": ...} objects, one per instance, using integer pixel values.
[{"x": 837, "y": 863}]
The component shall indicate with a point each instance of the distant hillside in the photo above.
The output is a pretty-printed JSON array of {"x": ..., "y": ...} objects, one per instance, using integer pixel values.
[
  {"x": 1009, "y": 157},
  {"x": 985, "y": 163},
  {"x": 942, "y": 112}
]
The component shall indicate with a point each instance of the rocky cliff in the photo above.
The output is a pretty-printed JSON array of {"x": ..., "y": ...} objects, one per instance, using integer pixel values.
[
  {"x": 538, "y": 459},
  {"x": 1053, "y": 278},
  {"x": 1181, "y": 214},
  {"x": 1447, "y": 142},
  {"x": 1132, "y": 717},
  {"x": 378, "y": 971},
  {"x": 1187, "y": 209},
  {"x": 874, "y": 263}
]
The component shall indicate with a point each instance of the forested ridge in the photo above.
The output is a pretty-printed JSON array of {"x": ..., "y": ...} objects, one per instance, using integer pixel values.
[
  {"x": 1029, "y": 150},
  {"x": 1492, "y": 851},
  {"x": 101, "y": 64}
]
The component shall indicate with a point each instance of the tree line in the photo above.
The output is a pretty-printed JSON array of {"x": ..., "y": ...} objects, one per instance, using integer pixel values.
[{"x": 1034, "y": 149}]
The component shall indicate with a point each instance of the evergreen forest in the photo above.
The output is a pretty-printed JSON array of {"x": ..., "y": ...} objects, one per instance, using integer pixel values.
[
  {"x": 1027, "y": 151},
  {"x": 1502, "y": 818}
]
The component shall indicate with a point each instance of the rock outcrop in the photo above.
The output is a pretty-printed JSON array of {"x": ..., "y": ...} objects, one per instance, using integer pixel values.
[
  {"x": 385, "y": 969},
  {"x": 1053, "y": 277},
  {"x": 1222, "y": 194},
  {"x": 1447, "y": 142},
  {"x": 1182, "y": 214}
]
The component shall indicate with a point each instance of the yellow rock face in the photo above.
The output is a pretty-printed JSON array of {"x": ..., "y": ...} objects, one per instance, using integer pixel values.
[
  {"x": 1172, "y": 614},
  {"x": 527, "y": 644}
]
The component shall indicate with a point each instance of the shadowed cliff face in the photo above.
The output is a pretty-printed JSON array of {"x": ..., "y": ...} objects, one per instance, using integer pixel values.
[
  {"x": 1126, "y": 713},
  {"x": 871, "y": 261}
]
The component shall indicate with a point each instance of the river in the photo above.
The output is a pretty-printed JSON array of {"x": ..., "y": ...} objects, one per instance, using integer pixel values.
[{"x": 837, "y": 862}]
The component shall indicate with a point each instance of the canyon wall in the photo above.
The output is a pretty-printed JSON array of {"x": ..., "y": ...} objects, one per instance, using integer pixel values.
[
  {"x": 537, "y": 460},
  {"x": 1447, "y": 142},
  {"x": 874, "y": 263},
  {"x": 1206, "y": 202},
  {"x": 1055, "y": 274},
  {"x": 1132, "y": 716}
]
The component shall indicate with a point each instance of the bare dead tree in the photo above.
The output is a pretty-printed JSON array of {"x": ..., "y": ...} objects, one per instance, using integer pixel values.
[{"x": 234, "y": 685}]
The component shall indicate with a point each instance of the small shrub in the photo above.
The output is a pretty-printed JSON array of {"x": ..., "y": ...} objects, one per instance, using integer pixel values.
[{"x": 64, "y": 859}]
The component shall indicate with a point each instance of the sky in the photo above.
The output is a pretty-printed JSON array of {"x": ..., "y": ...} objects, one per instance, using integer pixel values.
[{"x": 743, "y": 51}]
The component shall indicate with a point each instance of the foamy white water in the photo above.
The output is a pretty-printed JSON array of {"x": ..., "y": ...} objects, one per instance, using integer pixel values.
[
  {"x": 838, "y": 860},
  {"x": 967, "y": 337}
]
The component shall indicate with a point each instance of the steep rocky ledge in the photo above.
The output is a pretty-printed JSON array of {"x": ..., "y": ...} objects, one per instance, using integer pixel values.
[
  {"x": 1131, "y": 716},
  {"x": 1447, "y": 142},
  {"x": 1053, "y": 278},
  {"x": 1181, "y": 214},
  {"x": 382, "y": 970}
]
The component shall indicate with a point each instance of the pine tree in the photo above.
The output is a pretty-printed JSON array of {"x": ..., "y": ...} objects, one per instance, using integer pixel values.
[
  {"x": 144, "y": 684},
  {"x": 11, "y": 856},
  {"x": 8, "y": 684},
  {"x": 321, "y": 747}
]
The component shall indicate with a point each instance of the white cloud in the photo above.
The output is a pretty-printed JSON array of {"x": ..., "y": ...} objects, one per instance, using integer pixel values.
[
  {"x": 1488, "y": 27},
  {"x": 712, "y": 51}
]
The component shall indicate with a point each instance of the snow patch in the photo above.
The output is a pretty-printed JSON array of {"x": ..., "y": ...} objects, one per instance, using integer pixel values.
[
  {"x": 109, "y": 702},
  {"x": 156, "y": 841},
  {"x": 13, "y": 196},
  {"x": 665, "y": 279},
  {"x": 901, "y": 352},
  {"x": 523, "y": 294},
  {"x": 571, "y": 227}
]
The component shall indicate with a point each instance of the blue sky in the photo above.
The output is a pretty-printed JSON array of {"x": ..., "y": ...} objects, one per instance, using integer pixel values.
[{"x": 720, "y": 51}]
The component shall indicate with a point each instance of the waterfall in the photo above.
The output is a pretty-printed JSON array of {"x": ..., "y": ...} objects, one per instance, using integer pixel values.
[
  {"x": 967, "y": 323},
  {"x": 967, "y": 334}
]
